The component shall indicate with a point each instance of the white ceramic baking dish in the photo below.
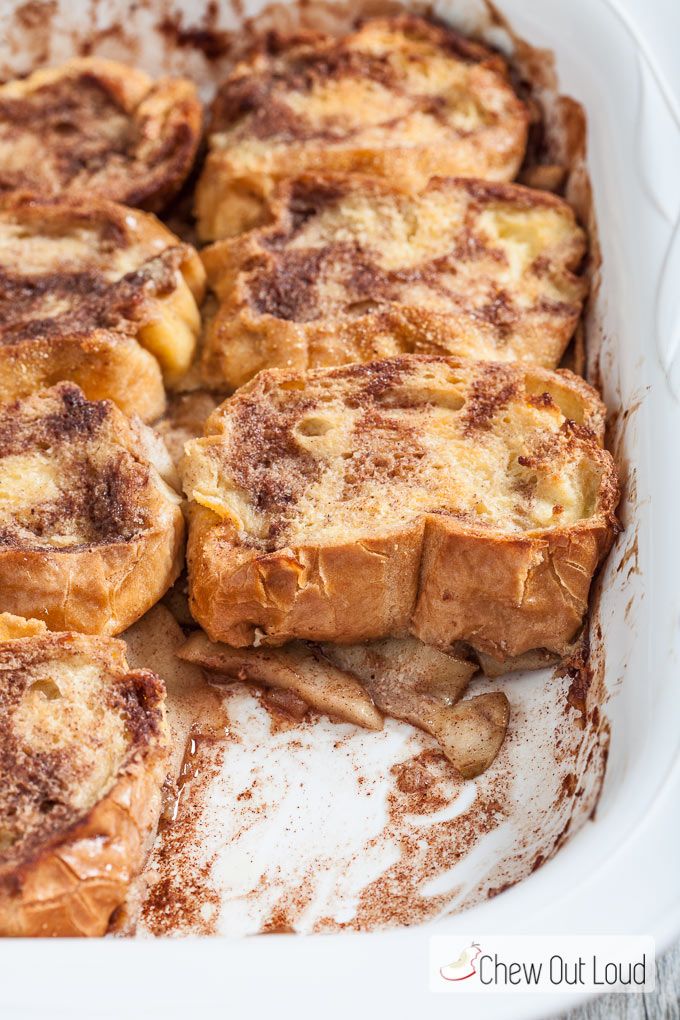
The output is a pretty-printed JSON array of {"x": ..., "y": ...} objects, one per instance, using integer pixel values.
[{"x": 618, "y": 873}]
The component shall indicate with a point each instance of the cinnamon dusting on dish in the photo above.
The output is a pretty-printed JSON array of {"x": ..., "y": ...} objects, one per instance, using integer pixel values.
[
  {"x": 180, "y": 897},
  {"x": 422, "y": 788}
]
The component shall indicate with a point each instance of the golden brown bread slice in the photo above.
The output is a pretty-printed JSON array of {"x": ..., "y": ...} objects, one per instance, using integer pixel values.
[
  {"x": 91, "y": 534},
  {"x": 96, "y": 293},
  {"x": 83, "y": 762},
  {"x": 98, "y": 127},
  {"x": 450, "y": 499},
  {"x": 351, "y": 269},
  {"x": 399, "y": 98}
]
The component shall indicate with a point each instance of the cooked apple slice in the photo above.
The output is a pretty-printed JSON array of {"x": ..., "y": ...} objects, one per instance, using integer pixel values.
[
  {"x": 472, "y": 732},
  {"x": 399, "y": 664},
  {"x": 298, "y": 667},
  {"x": 399, "y": 677},
  {"x": 537, "y": 658},
  {"x": 421, "y": 685}
]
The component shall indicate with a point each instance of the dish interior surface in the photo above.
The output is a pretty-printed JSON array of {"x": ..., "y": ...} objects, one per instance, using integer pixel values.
[{"x": 322, "y": 827}]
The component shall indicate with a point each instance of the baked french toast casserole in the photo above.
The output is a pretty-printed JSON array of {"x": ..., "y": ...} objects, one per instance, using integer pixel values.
[{"x": 326, "y": 416}]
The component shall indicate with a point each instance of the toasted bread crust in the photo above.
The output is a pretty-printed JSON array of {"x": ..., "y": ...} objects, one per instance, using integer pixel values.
[
  {"x": 399, "y": 98},
  {"x": 97, "y": 127},
  {"x": 94, "y": 538},
  {"x": 351, "y": 269},
  {"x": 65, "y": 866},
  {"x": 17, "y": 627},
  {"x": 80, "y": 283},
  {"x": 273, "y": 565},
  {"x": 105, "y": 364}
]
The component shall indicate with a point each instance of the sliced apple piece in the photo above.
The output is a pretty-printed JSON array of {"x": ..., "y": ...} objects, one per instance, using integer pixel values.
[
  {"x": 423, "y": 686},
  {"x": 406, "y": 662},
  {"x": 296, "y": 667},
  {"x": 472, "y": 732},
  {"x": 537, "y": 658}
]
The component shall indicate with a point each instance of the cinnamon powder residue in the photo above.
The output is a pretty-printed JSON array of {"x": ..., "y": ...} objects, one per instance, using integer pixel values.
[
  {"x": 181, "y": 898},
  {"x": 423, "y": 787}
]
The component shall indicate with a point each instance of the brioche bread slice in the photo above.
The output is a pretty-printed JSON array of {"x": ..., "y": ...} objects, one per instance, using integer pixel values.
[
  {"x": 399, "y": 98},
  {"x": 84, "y": 753},
  {"x": 96, "y": 293},
  {"x": 450, "y": 499},
  {"x": 97, "y": 127},
  {"x": 351, "y": 269},
  {"x": 90, "y": 532}
]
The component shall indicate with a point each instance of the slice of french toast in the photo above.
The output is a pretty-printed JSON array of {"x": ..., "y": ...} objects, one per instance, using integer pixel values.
[
  {"x": 399, "y": 98},
  {"x": 98, "y": 127},
  {"x": 450, "y": 499},
  {"x": 96, "y": 293},
  {"x": 351, "y": 269},
  {"x": 91, "y": 533},
  {"x": 84, "y": 757}
]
